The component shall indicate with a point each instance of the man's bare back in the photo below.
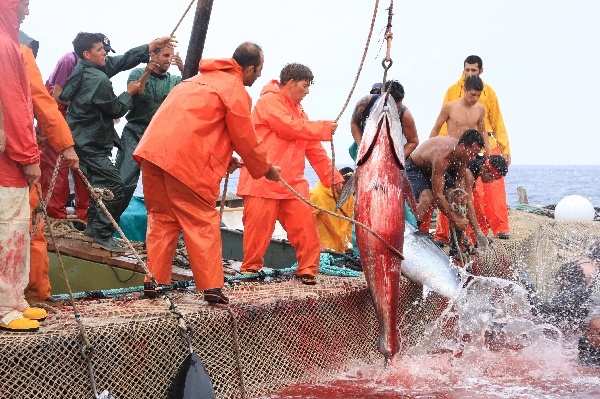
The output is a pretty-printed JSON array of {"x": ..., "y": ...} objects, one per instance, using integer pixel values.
[
  {"x": 434, "y": 151},
  {"x": 426, "y": 170}
]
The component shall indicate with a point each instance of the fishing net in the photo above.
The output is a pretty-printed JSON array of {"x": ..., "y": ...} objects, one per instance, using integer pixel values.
[
  {"x": 288, "y": 332},
  {"x": 539, "y": 245}
]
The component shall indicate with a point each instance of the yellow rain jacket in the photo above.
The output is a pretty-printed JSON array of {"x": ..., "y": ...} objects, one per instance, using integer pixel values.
[
  {"x": 493, "y": 117},
  {"x": 334, "y": 233}
]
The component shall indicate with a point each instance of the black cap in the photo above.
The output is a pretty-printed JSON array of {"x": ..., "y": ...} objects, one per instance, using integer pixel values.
[{"x": 105, "y": 42}]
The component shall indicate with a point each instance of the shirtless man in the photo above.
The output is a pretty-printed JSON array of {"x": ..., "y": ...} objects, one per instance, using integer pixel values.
[
  {"x": 464, "y": 113},
  {"x": 431, "y": 165}
]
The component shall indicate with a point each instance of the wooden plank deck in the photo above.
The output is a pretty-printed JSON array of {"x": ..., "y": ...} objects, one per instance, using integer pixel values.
[{"x": 83, "y": 250}]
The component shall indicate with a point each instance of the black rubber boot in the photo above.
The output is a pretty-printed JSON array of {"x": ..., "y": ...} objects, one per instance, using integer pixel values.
[
  {"x": 151, "y": 292},
  {"x": 89, "y": 233},
  {"x": 108, "y": 244},
  {"x": 215, "y": 295}
]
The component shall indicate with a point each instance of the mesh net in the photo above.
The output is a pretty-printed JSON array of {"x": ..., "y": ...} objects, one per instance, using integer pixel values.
[{"x": 288, "y": 332}]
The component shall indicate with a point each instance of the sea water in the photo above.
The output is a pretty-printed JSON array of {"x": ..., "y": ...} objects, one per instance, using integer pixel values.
[
  {"x": 545, "y": 185},
  {"x": 485, "y": 345}
]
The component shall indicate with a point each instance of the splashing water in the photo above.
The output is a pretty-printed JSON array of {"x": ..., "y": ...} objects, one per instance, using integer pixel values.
[{"x": 485, "y": 345}]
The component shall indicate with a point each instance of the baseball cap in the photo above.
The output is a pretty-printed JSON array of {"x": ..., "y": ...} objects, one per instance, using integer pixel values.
[
  {"x": 105, "y": 42},
  {"x": 376, "y": 86}
]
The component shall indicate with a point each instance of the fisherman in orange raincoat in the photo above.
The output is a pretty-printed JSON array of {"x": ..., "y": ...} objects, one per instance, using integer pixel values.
[
  {"x": 184, "y": 154},
  {"x": 60, "y": 138},
  {"x": 289, "y": 137},
  {"x": 19, "y": 168}
]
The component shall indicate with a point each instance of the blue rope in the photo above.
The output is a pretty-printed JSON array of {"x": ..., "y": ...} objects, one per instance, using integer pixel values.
[{"x": 326, "y": 267}]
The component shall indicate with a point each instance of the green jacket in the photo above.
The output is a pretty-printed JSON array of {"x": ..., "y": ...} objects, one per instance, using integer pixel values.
[
  {"x": 157, "y": 88},
  {"x": 94, "y": 104}
]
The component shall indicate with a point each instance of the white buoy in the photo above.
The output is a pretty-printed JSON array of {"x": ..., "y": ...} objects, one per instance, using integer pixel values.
[{"x": 575, "y": 208}]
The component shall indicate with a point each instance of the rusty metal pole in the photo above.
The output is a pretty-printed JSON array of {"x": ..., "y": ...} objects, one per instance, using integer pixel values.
[{"x": 197, "y": 38}]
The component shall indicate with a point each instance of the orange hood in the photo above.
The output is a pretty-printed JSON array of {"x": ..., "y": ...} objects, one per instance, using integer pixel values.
[
  {"x": 275, "y": 87},
  {"x": 228, "y": 65},
  {"x": 8, "y": 19}
]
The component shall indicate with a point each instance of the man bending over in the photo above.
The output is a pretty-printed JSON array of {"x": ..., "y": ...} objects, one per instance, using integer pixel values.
[{"x": 435, "y": 165}]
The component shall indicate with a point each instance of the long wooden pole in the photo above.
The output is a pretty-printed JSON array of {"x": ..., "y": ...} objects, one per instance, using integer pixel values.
[{"x": 197, "y": 38}]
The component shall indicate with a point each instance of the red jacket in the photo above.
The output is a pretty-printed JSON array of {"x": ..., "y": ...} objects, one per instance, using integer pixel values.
[
  {"x": 15, "y": 96},
  {"x": 290, "y": 138},
  {"x": 198, "y": 126}
]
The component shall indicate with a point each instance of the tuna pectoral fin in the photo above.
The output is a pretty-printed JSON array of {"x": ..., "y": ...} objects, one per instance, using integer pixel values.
[{"x": 348, "y": 190}]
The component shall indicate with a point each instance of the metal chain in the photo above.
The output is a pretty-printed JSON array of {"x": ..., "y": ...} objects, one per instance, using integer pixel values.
[{"x": 387, "y": 62}]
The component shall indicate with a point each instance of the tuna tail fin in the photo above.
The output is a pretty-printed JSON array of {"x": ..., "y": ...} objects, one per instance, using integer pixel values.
[{"x": 348, "y": 190}]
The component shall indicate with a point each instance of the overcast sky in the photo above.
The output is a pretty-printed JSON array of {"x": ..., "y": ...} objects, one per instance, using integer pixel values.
[{"x": 540, "y": 56}]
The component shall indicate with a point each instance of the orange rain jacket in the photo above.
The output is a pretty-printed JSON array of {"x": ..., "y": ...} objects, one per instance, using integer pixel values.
[
  {"x": 15, "y": 96},
  {"x": 200, "y": 123},
  {"x": 45, "y": 107},
  {"x": 289, "y": 137},
  {"x": 58, "y": 133},
  {"x": 493, "y": 117}
]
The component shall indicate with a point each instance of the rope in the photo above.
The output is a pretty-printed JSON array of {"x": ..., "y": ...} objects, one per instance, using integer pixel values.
[
  {"x": 146, "y": 73},
  {"x": 462, "y": 212},
  {"x": 39, "y": 213},
  {"x": 87, "y": 349},
  {"x": 297, "y": 194},
  {"x": 238, "y": 351},
  {"x": 223, "y": 198},
  {"x": 98, "y": 195},
  {"x": 362, "y": 61}
]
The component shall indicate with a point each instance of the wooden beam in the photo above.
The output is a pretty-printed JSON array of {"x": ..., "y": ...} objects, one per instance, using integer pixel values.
[
  {"x": 84, "y": 250},
  {"x": 197, "y": 38}
]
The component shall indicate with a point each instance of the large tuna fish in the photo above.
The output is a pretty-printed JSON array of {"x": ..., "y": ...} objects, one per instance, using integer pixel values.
[
  {"x": 426, "y": 264},
  {"x": 380, "y": 205}
]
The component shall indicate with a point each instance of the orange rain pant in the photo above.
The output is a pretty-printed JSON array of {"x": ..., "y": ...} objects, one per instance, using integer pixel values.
[
  {"x": 494, "y": 203},
  {"x": 56, "y": 207},
  {"x": 298, "y": 220},
  {"x": 172, "y": 206},
  {"x": 442, "y": 231},
  {"x": 39, "y": 282}
]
